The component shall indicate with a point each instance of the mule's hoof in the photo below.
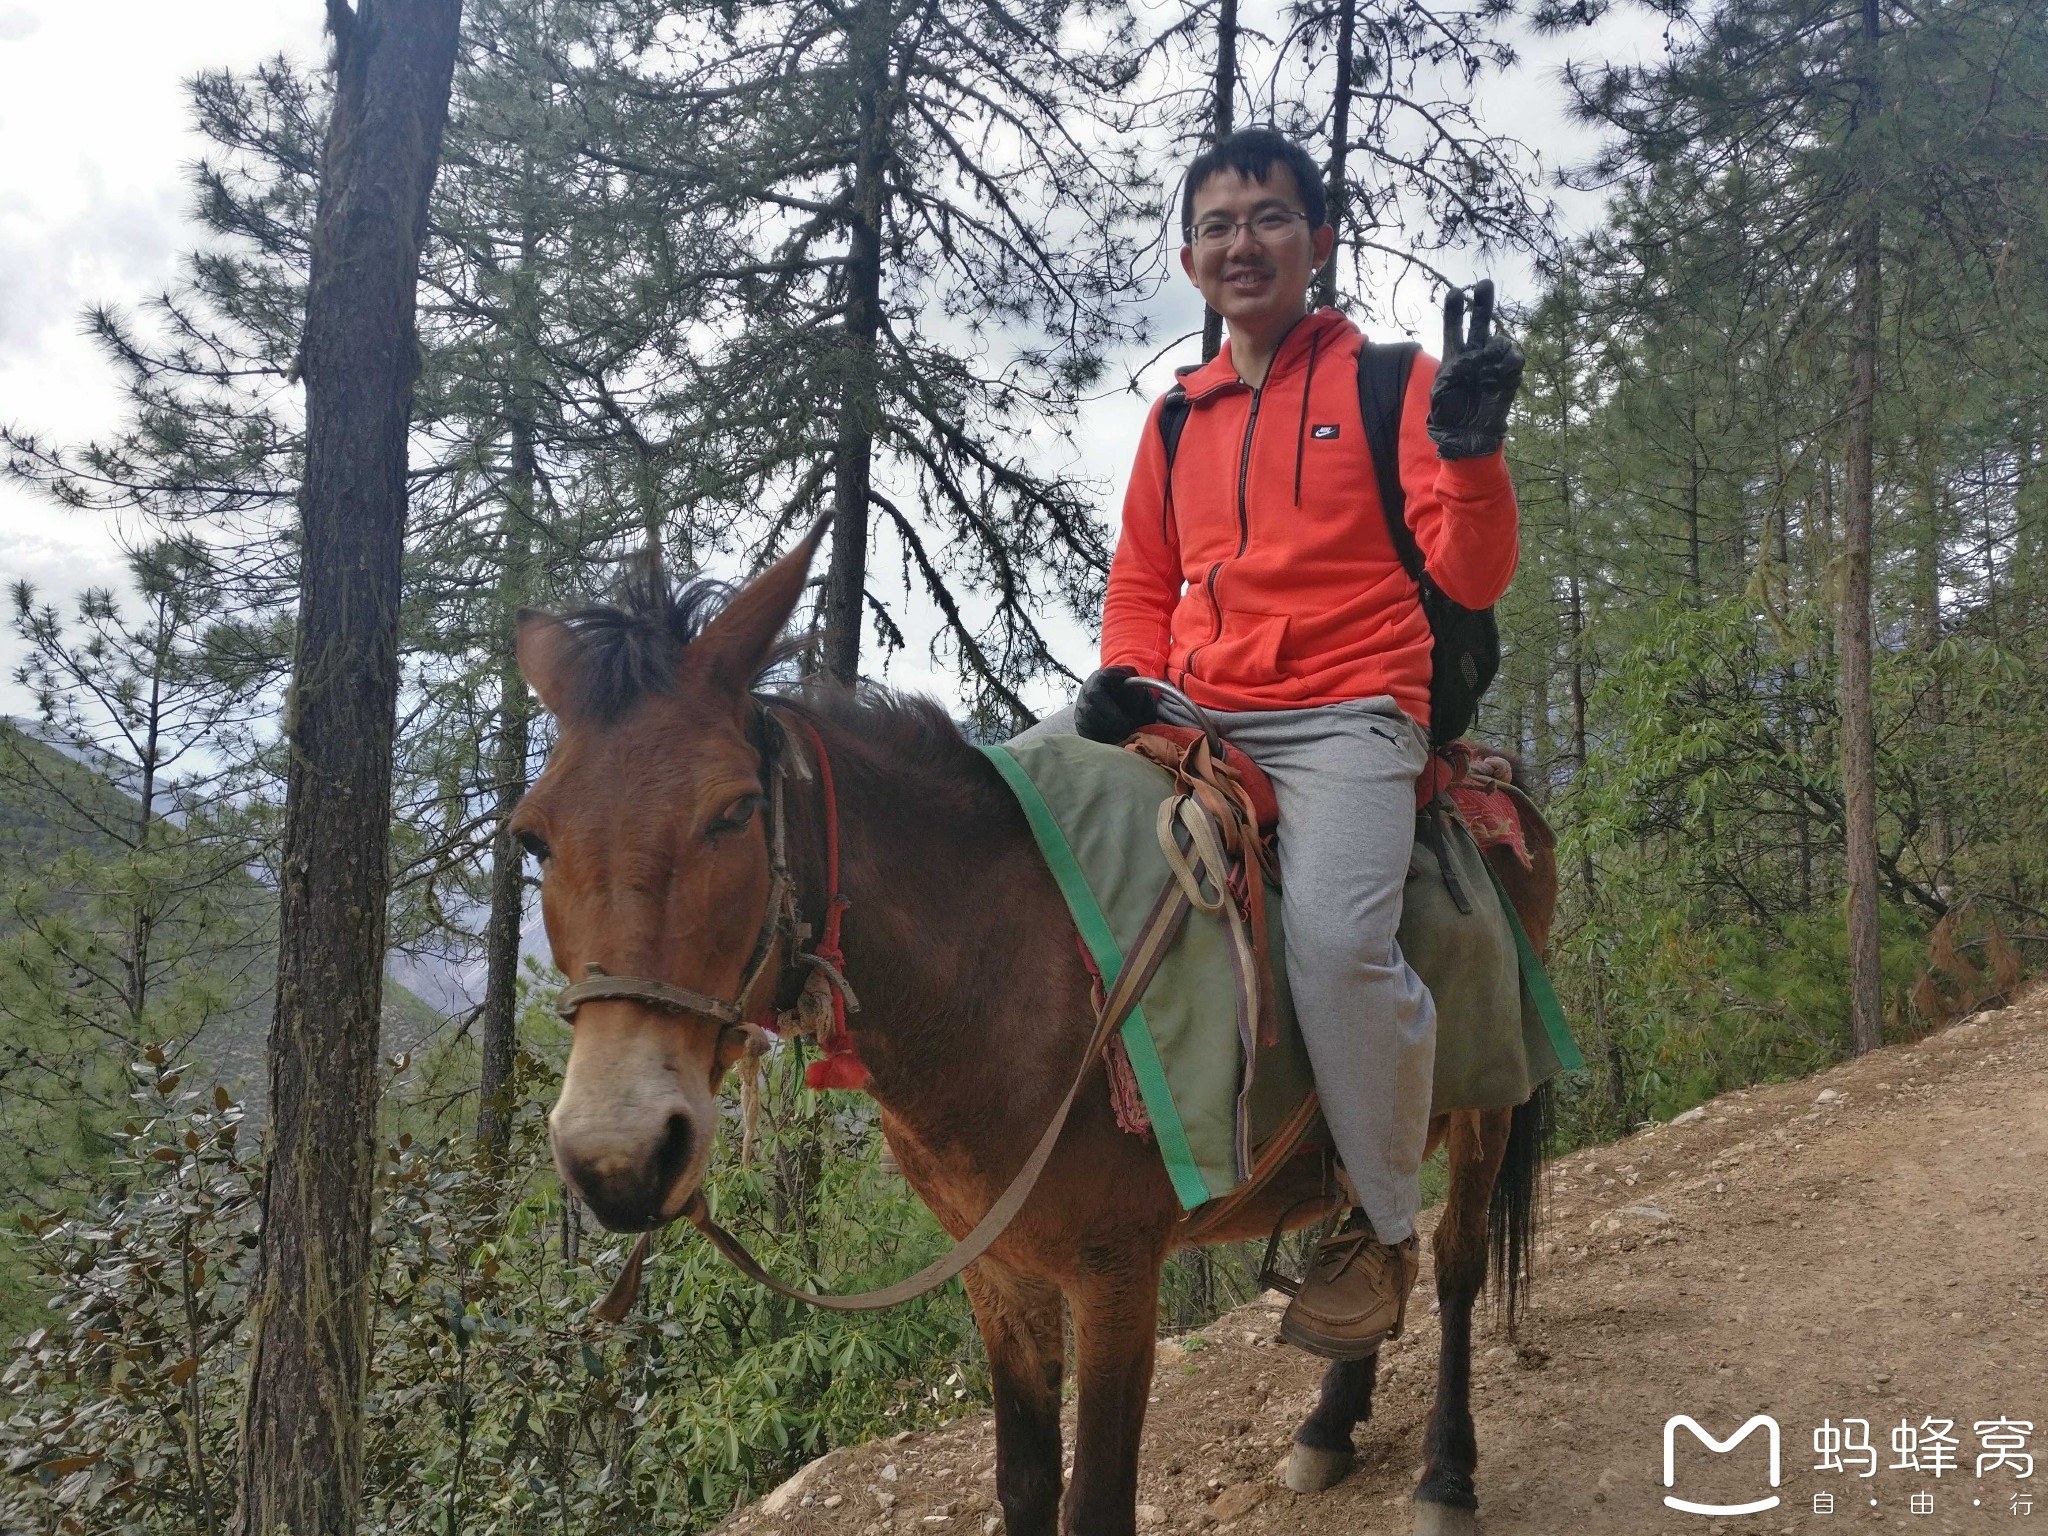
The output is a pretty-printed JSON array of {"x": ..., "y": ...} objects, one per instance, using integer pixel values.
[
  {"x": 1311, "y": 1470},
  {"x": 1445, "y": 1520}
]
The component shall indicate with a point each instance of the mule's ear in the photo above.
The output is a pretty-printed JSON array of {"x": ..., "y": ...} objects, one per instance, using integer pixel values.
[
  {"x": 547, "y": 652},
  {"x": 737, "y": 644}
]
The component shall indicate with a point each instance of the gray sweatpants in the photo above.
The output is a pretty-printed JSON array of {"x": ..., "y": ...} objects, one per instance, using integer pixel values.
[{"x": 1344, "y": 775}]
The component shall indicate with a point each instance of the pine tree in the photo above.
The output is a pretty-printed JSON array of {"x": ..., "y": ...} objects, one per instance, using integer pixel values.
[
  {"x": 1766, "y": 136},
  {"x": 136, "y": 917},
  {"x": 1709, "y": 318},
  {"x": 940, "y": 230},
  {"x": 549, "y": 429},
  {"x": 1412, "y": 172},
  {"x": 301, "y": 1461}
]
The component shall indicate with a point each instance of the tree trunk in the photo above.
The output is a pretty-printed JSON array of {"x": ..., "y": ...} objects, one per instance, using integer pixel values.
[
  {"x": 1693, "y": 573},
  {"x": 1985, "y": 501},
  {"x": 1931, "y": 709},
  {"x": 1542, "y": 736},
  {"x": 142, "y": 917},
  {"x": 497, "y": 1024},
  {"x": 853, "y": 454},
  {"x": 1605, "y": 1042},
  {"x": 1606, "y": 1046},
  {"x": 1222, "y": 116},
  {"x": 1859, "y": 739},
  {"x": 498, "y": 1020},
  {"x": 2030, "y": 523},
  {"x": 302, "y": 1446},
  {"x": 1829, "y": 547},
  {"x": 1336, "y": 188},
  {"x": 1790, "y": 708}
]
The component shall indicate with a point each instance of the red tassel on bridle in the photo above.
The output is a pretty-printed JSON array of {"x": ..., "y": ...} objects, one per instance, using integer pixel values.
[{"x": 839, "y": 1064}]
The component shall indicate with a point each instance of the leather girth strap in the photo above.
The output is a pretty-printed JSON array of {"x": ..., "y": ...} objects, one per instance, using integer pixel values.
[{"x": 1140, "y": 965}]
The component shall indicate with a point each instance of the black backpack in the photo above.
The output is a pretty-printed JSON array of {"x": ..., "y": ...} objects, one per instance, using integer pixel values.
[{"x": 1465, "y": 653}]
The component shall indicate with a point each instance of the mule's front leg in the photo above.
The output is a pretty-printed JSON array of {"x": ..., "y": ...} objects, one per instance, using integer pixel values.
[
  {"x": 1116, "y": 1318},
  {"x": 1323, "y": 1453},
  {"x": 1020, "y": 1320},
  {"x": 1446, "y": 1503}
]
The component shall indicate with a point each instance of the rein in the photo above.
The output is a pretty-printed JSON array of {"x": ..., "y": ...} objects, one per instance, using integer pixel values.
[{"x": 1160, "y": 929}]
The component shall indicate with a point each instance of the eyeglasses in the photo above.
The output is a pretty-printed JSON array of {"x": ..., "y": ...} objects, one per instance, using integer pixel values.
[{"x": 1217, "y": 232}]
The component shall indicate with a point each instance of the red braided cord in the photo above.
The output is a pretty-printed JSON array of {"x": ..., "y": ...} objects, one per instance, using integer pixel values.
[{"x": 831, "y": 1073}]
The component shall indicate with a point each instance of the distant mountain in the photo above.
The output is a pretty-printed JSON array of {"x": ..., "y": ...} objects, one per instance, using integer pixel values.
[
  {"x": 230, "y": 1048},
  {"x": 456, "y": 987}
]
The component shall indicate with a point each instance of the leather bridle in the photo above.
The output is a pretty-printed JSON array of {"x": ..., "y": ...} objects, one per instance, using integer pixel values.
[{"x": 780, "y": 920}]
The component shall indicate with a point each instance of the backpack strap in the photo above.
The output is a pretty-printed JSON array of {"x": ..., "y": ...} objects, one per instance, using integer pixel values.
[
  {"x": 1464, "y": 642},
  {"x": 1383, "y": 370},
  {"x": 1173, "y": 413},
  {"x": 1173, "y": 418}
]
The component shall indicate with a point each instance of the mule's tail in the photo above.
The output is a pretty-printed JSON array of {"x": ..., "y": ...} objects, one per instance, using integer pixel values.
[{"x": 1515, "y": 1209}]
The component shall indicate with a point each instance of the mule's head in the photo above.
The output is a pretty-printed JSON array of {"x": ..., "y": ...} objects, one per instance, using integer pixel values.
[{"x": 648, "y": 822}]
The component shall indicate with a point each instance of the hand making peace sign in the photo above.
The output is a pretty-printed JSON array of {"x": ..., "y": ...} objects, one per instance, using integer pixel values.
[{"x": 1476, "y": 380}]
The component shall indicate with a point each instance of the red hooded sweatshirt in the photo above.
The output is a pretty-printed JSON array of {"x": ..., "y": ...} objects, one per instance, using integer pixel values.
[{"x": 1261, "y": 576}]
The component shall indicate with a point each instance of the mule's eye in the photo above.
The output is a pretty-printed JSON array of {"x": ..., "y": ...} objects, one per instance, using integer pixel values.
[
  {"x": 534, "y": 844},
  {"x": 735, "y": 816}
]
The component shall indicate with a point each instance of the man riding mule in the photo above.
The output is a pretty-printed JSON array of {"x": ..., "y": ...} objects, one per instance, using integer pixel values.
[
  {"x": 695, "y": 835},
  {"x": 1256, "y": 570},
  {"x": 709, "y": 848}
]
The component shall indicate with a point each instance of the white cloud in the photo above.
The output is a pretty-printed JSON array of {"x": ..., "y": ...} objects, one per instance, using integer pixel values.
[{"x": 94, "y": 142}]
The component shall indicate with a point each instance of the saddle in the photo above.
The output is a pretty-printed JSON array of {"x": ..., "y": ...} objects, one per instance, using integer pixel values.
[
  {"x": 1479, "y": 784},
  {"x": 1210, "y": 1065},
  {"x": 1462, "y": 779}
]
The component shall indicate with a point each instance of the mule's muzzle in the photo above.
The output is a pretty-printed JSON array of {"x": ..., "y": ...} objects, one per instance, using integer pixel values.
[{"x": 629, "y": 1187}]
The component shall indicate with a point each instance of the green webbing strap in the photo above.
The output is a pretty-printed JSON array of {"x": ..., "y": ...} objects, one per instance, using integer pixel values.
[
  {"x": 1537, "y": 980},
  {"x": 1188, "y": 1184}
]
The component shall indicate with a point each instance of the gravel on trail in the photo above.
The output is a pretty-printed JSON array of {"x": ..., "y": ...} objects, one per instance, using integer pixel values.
[{"x": 1868, "y": 1244}]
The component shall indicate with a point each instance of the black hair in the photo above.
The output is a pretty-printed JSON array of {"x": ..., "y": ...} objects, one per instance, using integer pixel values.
[
  {"x": 630, "y": 648},
  {"x": 1252, "y": 153}
]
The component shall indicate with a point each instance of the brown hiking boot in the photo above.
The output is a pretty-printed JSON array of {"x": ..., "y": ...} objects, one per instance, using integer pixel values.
[{"x": 1355, "y": 1293}]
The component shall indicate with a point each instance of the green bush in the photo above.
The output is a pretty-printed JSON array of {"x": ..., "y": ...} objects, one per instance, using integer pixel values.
[
  {"x": 496, "y": 1402},
  {"x": 1714, "y": 954}
]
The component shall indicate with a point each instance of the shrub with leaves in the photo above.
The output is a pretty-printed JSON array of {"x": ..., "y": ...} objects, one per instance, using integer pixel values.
[
  {"x": 497, "y": 1402},
  {"x": 123, "y": 1413}
]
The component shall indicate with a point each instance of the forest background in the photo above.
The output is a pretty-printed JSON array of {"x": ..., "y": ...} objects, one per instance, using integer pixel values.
[{"x": 699, "y": 275}]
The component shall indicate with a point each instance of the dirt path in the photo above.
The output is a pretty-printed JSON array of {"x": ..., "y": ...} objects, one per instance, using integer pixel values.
[{"x": 1869, "y": 1243}]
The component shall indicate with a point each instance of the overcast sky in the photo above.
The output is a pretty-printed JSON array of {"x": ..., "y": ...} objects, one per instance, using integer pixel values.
[{"x": 94, "y": 147}]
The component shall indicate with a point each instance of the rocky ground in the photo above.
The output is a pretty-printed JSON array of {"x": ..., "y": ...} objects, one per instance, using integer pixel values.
[{"x": 1869, "y": 1244}]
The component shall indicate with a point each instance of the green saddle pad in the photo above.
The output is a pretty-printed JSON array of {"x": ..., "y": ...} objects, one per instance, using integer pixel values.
[{"x": 1094, "y": 808}]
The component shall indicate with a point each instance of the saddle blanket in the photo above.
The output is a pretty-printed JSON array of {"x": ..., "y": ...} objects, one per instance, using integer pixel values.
[{"x": 1094, "y": 810}]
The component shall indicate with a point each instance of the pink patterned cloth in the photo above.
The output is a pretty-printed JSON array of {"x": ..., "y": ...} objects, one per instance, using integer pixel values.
[
  {"x": 1477, "y": 783},
  {"x": 1131, "y": 1115}
]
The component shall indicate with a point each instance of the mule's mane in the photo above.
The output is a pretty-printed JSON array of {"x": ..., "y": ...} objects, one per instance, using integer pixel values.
[
  {"x": 899, "y": 736},
  {"x": 630, "y": 647}
]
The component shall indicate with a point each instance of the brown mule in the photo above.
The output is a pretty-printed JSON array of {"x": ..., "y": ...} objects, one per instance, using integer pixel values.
[{"x": 974, "y": 1010}]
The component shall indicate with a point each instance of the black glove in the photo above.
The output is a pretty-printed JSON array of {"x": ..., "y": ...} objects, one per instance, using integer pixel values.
[
  {"x": 1110, "y": 706},
  {"x": 1475, "y": 382}
]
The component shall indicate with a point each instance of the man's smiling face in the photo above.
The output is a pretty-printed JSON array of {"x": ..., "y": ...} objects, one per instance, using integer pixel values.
[{"x": 1255, "y": 282}]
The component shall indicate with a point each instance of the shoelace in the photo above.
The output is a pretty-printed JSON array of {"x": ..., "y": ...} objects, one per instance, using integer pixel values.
[{"x": 1336, "y": 1254}]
